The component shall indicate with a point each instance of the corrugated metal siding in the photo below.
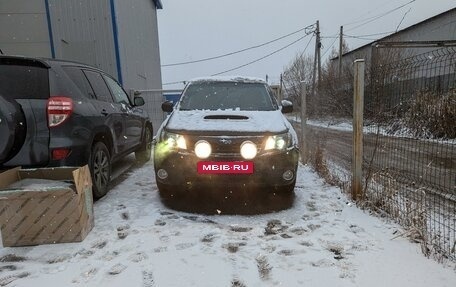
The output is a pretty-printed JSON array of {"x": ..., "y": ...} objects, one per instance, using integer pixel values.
[
  {"x": 26, "y": 32},
  {"x": 138, "y": 40},
  {"x": 442, "y": 27},
  {"x": 83, "y": 32},
  {"x": 139, "y": 52}
]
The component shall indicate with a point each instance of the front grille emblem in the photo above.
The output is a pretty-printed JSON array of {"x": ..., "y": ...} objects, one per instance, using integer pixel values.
[{"x": 225, "y": 141}]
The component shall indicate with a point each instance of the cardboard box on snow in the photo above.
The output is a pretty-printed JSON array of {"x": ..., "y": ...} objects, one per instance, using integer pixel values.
[{"x": 45, "y": 205}]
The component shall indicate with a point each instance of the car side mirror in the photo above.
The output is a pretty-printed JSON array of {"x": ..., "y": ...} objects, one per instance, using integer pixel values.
[
  {"x": 139, "y": 101},
  {"x": 287, "y": 107},
  {"x": 168, "y": 106}
]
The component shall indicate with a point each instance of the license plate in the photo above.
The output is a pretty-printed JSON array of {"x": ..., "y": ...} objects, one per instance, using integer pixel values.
[{"x": 224, "y": 167}]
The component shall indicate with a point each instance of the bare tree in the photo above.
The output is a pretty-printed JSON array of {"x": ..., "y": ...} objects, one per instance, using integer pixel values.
[
  {"x": 299, "y": 70},
  {"x": 335, "y": 91}
]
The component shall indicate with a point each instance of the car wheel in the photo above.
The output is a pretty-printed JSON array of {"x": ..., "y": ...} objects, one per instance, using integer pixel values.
[
  {"x": 144, "y": 153},
  {"x": 100, "y": 168},
  {"x": 13, "y": 128}
]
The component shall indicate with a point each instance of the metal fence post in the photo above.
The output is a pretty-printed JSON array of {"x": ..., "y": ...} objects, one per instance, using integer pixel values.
[
  {"x": 303, "y": 145},
  {"x": 358, "y": 105}
]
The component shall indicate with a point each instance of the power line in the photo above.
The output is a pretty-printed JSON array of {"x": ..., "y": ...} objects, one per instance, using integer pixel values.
[
  {"x": 329, "y": 37},
  {"x": 329, "y": 48},
  {"x": 403, "y": 17},
  {"x": 306, "y": 29},
  {"x": 362, "y": 38},
  {"x": 360, "y": 19},
  {"x": 264, "y": 57},
  {"x": 368, "y": 35},
  {"x": 254, "y": 61},
  {"x": 381, "y": 15}
]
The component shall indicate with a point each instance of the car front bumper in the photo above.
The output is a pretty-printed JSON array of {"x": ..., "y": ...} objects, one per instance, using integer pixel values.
[{"x": 269, "y": 168}]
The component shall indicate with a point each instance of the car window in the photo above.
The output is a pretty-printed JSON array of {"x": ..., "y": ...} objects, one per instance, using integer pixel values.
[
  {"x": 24, "y": 82},
  {"x": 78, "y": 77},
  {"x": 99, "y": 86},
  {"x": 227, "y": 96},
  {"x": 118, "y": 93}
]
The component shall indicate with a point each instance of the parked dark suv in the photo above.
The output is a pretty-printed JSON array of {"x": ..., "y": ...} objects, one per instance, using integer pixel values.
[
  {"x": 228, "y": 132},
  {"x": 61, "y": 113}
]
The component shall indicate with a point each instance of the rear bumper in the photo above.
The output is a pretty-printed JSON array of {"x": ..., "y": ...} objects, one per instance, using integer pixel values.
[
  {"x": 78, "y": 156},
  {"x": 269, "y": 168},
  {"x": 79, "y": 153}
]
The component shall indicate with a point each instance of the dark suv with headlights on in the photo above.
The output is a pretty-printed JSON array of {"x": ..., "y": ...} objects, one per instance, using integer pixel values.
[
  {"x": 226, "y": 131},
  {"x": 60, "y": 113}
]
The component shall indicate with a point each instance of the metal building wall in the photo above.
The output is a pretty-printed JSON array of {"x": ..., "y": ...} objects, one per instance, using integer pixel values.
[
  {"x": 139, "y": 53},
  {"x": 23, "y": 28},
  {"x": 83, "y": 32},
  {"x": 138, "y": 44},
  {"x": 441, "y": 27}
]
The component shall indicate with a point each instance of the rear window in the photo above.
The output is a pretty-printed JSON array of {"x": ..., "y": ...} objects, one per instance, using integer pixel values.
[{"x": 24, "y": 82}]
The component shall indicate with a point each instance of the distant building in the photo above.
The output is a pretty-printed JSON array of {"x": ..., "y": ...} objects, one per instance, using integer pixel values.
[
  {"x": 438, "y": 28},
  {"x": 118, "y": 36}
]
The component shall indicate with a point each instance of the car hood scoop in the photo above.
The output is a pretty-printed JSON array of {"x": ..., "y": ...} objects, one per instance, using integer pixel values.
[
  {"x": 228, "y": 121},
  {"x": 226, "y": 117}
]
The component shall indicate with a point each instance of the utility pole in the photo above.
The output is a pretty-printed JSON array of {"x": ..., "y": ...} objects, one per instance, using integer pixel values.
[
  {"x": 319, "y": 54},
  {"x": 341, "y": 39},
  {"x": 267, "y": 78},
  {"x": 316, "y": 59},
  {"x": 280, "y": 88}
]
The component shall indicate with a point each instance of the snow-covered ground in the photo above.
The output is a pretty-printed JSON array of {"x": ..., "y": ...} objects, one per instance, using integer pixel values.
[
  {"x": 322, "y": 240},
  {"x": 346, "y": 125}
]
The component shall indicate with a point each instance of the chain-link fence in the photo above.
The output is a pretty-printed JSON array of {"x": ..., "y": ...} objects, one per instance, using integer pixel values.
[
  {"x": 410, "y": 152},
  {"x": 409, "y": 163}
]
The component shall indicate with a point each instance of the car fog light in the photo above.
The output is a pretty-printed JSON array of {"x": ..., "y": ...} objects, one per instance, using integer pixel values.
[
  {"x": 288, "y": 175},
  {"x": 162, "y": 174},
  {"x": 248, "y": 150},
  {"x": 203, "y": 149}
]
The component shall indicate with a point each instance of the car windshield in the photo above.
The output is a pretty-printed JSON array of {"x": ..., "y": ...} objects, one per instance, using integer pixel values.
[{"x": 227, "y": 96}]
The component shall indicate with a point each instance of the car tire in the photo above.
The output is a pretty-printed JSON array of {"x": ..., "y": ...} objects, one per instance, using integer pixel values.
[
  {"x": 100, "y": 169},
  {"x": 13, "y": 128},
  {"x": 144, "y": 153}
]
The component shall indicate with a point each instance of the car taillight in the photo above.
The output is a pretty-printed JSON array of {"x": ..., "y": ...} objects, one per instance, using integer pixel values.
[{"x": 59, "y": 110}]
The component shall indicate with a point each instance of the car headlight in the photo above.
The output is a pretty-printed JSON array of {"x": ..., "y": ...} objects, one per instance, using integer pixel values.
[
  {"x": 278, "y": 142},
  {"x": 248, "y": 150},
  {"x": 174, "y": 141},
  {"x": 203, "y": 149}
]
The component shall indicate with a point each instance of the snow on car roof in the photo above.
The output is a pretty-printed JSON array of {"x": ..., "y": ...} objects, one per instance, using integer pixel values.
[{"x": 243, "y": 79}]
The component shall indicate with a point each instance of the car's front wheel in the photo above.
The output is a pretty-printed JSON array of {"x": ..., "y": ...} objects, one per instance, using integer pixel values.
[{"x": 100, "y": 168}]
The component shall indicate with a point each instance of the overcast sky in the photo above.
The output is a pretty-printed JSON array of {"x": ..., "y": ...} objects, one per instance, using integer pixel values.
[{"x": 198, "y": 29}]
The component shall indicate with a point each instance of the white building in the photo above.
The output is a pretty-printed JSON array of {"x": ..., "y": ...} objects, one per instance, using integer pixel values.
[{"x": 118, "y": 36}]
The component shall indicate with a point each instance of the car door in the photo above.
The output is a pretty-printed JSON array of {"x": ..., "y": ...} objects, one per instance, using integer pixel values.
[
  {"x": 133, "y": 122},
  {"x": 110, "y": 112}
]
